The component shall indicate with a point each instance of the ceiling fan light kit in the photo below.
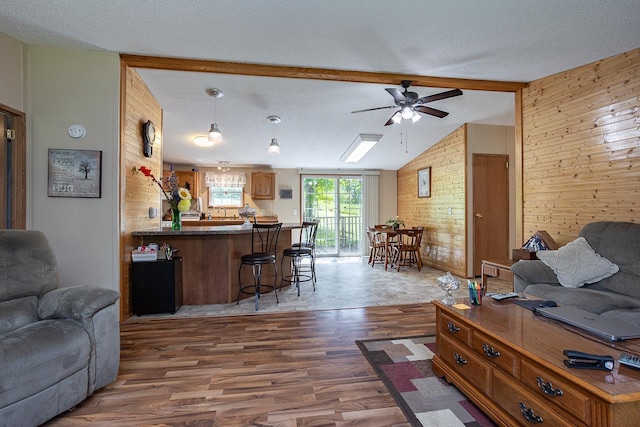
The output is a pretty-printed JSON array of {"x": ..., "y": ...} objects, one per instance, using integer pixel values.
[
  {"x": 359, "y": 147},
  {"x": 410, "y": 105},
  {"x": 214, "y": 133}
]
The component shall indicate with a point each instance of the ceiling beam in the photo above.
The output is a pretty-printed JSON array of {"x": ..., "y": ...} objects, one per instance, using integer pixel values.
[{"x": 221, "y": 67}]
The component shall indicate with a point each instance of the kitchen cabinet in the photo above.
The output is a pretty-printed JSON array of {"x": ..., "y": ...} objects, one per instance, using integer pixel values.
[
  {"x": 263, "y": 185},
  {"x": 187, "y": 179},
  {"x": 156, "y": 286}
]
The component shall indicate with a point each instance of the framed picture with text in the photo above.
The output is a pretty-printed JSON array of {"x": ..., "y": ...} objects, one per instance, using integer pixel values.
[
  {"x": 424, "y": 182},
  {"x": 75, "y": 173}
]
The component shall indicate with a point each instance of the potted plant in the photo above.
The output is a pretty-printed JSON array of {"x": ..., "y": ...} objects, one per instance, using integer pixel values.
[{"x": 395, "y": 222}]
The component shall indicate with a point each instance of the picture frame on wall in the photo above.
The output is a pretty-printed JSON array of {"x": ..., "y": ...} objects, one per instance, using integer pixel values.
[
  {"x": 75, "y": 173},
  {"x": 424, "y": 182}
]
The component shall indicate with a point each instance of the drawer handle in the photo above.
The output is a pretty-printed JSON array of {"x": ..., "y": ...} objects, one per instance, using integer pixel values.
[
  {"x": 452, "y": 328},
  {"x": 529, "y": 415},
  {"x": 548, "y": 389},
  {"x": 490, "y": 351},
  {"x": 459, "y": 360}
]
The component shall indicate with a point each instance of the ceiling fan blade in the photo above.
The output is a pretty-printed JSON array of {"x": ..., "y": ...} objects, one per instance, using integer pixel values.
[
  {"x": 431, "y": 111},
  {"x": 393, "y": 119},
  {"x": 397, "y": 95},
  {"x": 438, "y": 96},
  {"x": 373, "y": 109}
]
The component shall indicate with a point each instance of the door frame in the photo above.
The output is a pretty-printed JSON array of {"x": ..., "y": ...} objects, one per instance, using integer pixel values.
[
  {"x": 337, "y": 222},
  {"x": 17, "y": 204}
]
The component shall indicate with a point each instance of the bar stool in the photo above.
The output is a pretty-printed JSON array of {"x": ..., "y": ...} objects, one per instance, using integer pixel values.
[
  {"x": 308, "y": 234},
  {"x": 264, "y": 246},
  {"x": 299, "y": 251}
]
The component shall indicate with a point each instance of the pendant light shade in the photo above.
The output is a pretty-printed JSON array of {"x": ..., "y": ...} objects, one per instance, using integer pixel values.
[
  {"x": 215, "y": 136},
  {"x": 274, "y": 148},
  {"x": 214, "y": 133}
]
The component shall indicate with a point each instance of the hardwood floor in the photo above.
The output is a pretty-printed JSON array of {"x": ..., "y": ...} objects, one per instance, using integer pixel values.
[{"x": 278, "y": 369}]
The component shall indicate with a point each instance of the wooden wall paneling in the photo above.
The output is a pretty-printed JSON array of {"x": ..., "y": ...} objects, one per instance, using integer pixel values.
[
  {"x": 581, "y": 147},
  {"x": 444, "y": 241},
  {"x": 137, "y": 192}
]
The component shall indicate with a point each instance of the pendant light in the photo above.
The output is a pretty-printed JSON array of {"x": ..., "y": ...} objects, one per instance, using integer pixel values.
[
  {"x": 214, "y": 133},
  {"x": 274, "y": 148}
]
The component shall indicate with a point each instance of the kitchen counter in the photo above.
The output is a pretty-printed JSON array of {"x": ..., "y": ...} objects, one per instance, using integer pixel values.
[{"x": 211, "y": 259}]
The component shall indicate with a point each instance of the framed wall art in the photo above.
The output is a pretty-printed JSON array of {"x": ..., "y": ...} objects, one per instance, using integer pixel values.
[
  {"x": 75, "y": 173},
  {"x": 424, "y": 182}
]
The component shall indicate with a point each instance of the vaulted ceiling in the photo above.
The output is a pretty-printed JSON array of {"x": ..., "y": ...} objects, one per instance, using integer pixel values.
[{"x": 497, "y": 40}]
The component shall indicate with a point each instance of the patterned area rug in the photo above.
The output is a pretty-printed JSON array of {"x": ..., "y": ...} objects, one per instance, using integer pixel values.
[{"x": 404, "y": 365}]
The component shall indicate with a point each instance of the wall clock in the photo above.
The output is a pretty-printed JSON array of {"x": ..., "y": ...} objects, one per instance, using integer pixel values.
[{"x": 148, "y": 137}]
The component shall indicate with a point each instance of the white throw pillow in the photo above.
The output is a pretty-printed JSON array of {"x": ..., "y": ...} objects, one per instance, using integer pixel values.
[{"x": 577, "y": 263}]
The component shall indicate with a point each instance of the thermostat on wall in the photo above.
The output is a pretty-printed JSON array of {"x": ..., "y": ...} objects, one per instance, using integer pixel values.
[
  {"x": 77, "y": 131},
  {"x": 286, "y": 194}
]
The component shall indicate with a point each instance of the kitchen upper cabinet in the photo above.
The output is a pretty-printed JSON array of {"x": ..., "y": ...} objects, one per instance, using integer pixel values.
[
  {"x": 188, "y": 179},
  {"x": 263, "y": 185}
]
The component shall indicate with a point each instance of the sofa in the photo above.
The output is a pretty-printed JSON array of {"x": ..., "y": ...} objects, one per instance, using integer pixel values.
[
  {"x": 57, "y": 344},
  {"x": 613, "y": 290}
]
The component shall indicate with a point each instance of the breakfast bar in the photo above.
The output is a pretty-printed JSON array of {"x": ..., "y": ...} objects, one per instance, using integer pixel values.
[{"x": 211, "y": 259}]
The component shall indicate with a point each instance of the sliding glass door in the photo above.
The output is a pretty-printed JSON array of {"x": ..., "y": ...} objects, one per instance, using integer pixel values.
[{"x": 337, "y": 203}]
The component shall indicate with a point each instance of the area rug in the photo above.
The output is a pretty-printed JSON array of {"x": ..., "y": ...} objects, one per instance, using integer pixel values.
[{"x": 404, "y": 365}]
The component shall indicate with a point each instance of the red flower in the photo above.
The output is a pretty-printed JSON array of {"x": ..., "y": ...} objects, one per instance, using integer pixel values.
[{"x": 145, "y": 170}]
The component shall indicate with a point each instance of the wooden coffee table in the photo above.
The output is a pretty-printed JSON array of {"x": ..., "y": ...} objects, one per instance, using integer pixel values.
[{"x": 510, "y": 363}]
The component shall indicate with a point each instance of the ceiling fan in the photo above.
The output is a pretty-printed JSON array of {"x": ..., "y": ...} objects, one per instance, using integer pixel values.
[{"x": 408, "y": 103}]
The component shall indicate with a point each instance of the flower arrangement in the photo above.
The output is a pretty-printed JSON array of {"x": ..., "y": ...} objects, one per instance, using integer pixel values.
[
  {"x": 179, "y": 198},
  {"x": 395, "y": 222}
]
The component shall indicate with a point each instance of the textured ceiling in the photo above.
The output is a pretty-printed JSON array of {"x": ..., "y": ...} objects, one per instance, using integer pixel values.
[{"x": 493, "y": 40}]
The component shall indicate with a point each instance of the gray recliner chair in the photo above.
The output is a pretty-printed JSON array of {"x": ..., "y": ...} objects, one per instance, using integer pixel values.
[{"x": 57, "y": 345}]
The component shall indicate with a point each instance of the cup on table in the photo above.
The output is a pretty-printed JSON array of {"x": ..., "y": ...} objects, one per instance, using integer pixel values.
[{"x": 475, "y": 293}]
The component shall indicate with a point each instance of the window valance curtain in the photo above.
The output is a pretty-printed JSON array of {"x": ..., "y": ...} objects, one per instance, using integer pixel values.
[{"x": 225, "y": 180}]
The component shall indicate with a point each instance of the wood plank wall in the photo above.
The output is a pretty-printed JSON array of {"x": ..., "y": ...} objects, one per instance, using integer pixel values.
[
  {"x": 581, "y": 148},
  {"x": 444, "y": 240},
  {"x": 138, "y": 193}
]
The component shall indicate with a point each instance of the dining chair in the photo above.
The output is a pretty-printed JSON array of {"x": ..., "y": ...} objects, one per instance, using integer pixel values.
[
  {"x": 264, "y": 246},
  {"x": 406, "y": 251},
  {"x": 377, "y": 245}
]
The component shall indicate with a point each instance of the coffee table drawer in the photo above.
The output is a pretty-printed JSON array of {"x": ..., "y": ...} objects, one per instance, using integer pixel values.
[
  {"x": 496, "y": 353},
  {"x": 466, "y": 363},
  {"x": 454, "y": 328},
  {"x": 523, "y": 405},
  {"x": 556, "y": 390}
]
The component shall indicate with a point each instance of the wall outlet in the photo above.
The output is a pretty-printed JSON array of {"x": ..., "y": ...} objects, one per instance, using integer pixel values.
[
  {"x": 295, "y": 212},
  {"x": 450, "y": 211}
]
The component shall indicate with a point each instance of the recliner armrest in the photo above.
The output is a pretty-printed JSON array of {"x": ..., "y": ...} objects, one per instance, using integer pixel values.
[
  {"x": 78, "y": 302},
  {"x": 528, "y": 272}
]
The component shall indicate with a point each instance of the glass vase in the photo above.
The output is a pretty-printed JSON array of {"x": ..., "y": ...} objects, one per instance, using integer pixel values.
[{"x": 176, "y": 219}]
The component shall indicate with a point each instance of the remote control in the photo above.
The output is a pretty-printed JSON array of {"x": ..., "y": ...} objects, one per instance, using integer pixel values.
[
  {"x": 500, "y": 297},
  {"x": 629, "y": 360}
]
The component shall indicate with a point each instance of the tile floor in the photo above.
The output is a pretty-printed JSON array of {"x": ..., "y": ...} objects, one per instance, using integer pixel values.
[{"x": 345, "y": 283}]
